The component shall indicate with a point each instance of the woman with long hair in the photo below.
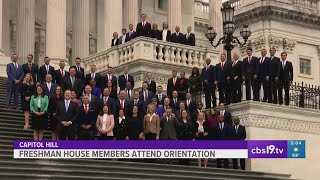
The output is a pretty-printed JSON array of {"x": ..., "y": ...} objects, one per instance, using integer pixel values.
[
  {"x": 151, "y": 124},
  {"x": 74, "y": 98},
  {"x": 195, "y": 84},
  {"x": 26, "y": 91},
  {"x": 115, "y": 40},
  {"x": 135, "y": 125},
  {"x": 202, "y": 134},
  {"x": 53, "y": 102},
  {"x": 121, "y": 126},
  {"x": 105, "y": 124},
  {"x": 112, "y": 89},
  {"x": 213, "y": 120},
  {"x": 38, "y": 107}
]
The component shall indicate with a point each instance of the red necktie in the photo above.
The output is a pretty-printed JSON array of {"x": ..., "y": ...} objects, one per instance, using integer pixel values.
[
  {"x": 62, "y": 74},
  {"x": 249, "y": 58},
  {"x": 86, "y": 109},
  {"x": 222, "y": 65},
  {"x": 122, "y": 104},
  {"x": 105, "y": 100},
  {"x": 30, "y": 67},
  {"x": 143, "y": 25}
]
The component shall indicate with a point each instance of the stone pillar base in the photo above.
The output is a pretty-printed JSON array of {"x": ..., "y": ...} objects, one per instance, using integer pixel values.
[{"x": 4, "y": 60}]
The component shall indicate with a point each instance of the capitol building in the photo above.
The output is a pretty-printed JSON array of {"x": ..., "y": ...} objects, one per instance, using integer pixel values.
[{"x": 66, "y": 29}]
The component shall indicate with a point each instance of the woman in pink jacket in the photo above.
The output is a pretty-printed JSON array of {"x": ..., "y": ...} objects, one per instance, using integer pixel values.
[{"x": 105, "y": 124}]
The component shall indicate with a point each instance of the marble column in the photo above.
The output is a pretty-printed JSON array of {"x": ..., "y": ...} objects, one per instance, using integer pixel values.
[
  {"x": 80, "y": 29},
  {"x": 215, "y": 19},
  {"x": 101, "y": 44},
  {"x": 113, "y": 20},
  {"x": 25, "y": 28},
  {"x": 131, "y": 15},
  {"x": 1, "y": 11},
  {"x": 174, "y": 14},
  {"x": 56, "y": 31}
]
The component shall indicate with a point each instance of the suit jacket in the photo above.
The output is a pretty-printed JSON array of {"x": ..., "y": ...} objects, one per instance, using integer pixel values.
[
  {"x": 110, "y": 102},
  {"x": 191, "y": 107},
  {"x": 89, "y": 118},
  {"x": 115, "y": 43},
  {"x": 275, "y": 66},
  {"x": 177, "y": 113},
  {"x": 71, "y": 115},
  {"x": 264, "y": 68},
  {"x": 143, "y": 31},
  {"x": 209, "y": 74},
  {"x": 191, "y": 40},
  {"x": 236, "y": 70},
  {"x": 251, "y": 68},
  {"x": 109, "y": 127},
  {"x": 160, "y": 102},
  {"x": 168, "y": 36},
  {"x": 43, "y": 72},
  {"x": 14, "y": 73},
  {"x": 80, "y": 74},
  {"x": 131, "y": 36},
  {"x": 227, "y": 117},
  {"x": 77, "y": 86},
  {"x": 121, "y": 128},
  {"x": 150, "y": 96},
  {"x": 223, "y": 134},
  {"x": 152, "y": 86},
  {"x": 122, "y": 81},
  {"x": 46, "y": 89},
  {"x": 286, "y": 73},
  {"x": 44, "y": 103},
  {"x": 129, "y": 98},
  {"x": 58, "y": 76},
  {"x": 97, "y": 77},
  {"x": 142, "y": 107},
  {"x": 127, "y": 108},
  {"x": 183, "y": 86},
  {"x": 177, "y": 38},
  {"x": 155, "y": 34},
  {"x": 104, "y": 81},
  {"x": 173, "y": 105},
  {"x": 171, "y": 87},
  {"x": 33, "y": 71},
  {"x": 240, "y": 134},
  {"x": 169, "y": 128},
  {"x": 120, "y": 39},
  {"x": 153, "y": 125},
  {"x": 94, "y": 101},
  {"x": 222, "y": 74}
]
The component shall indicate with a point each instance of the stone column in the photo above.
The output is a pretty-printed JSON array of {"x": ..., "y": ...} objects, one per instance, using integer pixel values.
[
  {"x": 174, "y": 14},
  {"x": 131, "y": 14},
  {"x": 101, "y": 44},
  {"x": 113, "y": 20},
  {"x": 56, "y": 31},
  {"x": 25, "y": 29},
  {"x": 1, "y": 11},
  {"x": 188, "y": 15},
  {"x": 80, "y": 29},
  {"x": 215, "y": 19}
]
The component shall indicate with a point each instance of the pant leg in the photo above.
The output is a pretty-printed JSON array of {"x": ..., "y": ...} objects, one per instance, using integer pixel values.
[
  {"x": 62, "y": 132},
  {"x": 275, "y": 86},
  {"x": 71, "y": 132},
  {"x": 213, "y": 94},
  {"x": 239, "y": 90},
  {"x": 256, "y": 85},
  {"x": 221, "y": 89},
  {"x": 280, "y": 92},
  {"x": 248, "y": 89},
  {"x": 9, "y": 93},
  {"x": 235, "y": 163},
  {"x": 219, "y": 161},
  {"x": 16, "y": 95},
  {"x": 243, "y": 164},
  {"x": 228, "y": 92},
  {"x": 207, "y": 95},
  {"x": 226, "y": 163},
  {"x": 286, "y": 93},
  {"x": 266, "y": 90}
]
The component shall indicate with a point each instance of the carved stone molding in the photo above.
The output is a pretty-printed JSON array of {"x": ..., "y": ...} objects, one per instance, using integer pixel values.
[
  {"x": 278, "y": 123},
  {"x": 289, "y": 44},
  {"x": 243, "y": 49},
  {"x": 259, "y": 43},
  {"x": 142, "y": 76},
  {"x": 275, "y": 42}
]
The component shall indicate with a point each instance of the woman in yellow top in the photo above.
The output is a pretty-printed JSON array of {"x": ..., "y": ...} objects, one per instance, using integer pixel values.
[{"x": 39, "y": 107}]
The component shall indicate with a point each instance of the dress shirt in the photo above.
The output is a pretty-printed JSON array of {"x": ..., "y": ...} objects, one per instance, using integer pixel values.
[{"x": 164, "y": 35}]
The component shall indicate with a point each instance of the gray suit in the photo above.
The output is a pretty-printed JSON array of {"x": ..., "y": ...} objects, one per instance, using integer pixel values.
[
  {"x": 168, "y": 128},
  {"x": 127, "y": 95},
  {"x": 120, "y": 39}
]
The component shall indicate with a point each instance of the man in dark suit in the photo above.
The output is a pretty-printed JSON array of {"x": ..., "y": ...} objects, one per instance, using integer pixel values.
[
  {"x": 274, "y": 77},
  {"x": 129, "y": 91},
  {"x": 46, "y": 69},
  {"x": 93, "y": 75},
  {"x": 121, "y": 103},
  {"x": 223, "y": 78},
  {"x": 79, "y": 70},
  {"x": 251, "y": 71},
  {"x": 264, "y": 75},
  {"x": 61, "y": 73},
  {"x": 124, "y": 78},
  {"x": 31, "y": 68},
  {"x": 106, "y": 100},
  {"x": 168, "y": 126},
  {"x": 183, "y": 86},
  {"x": 123, "y": 37},
  {"x": 87, "y": 119},
  {"x": 285, "y": 79},
  {"x": 173, "y": 84},
  {"x": 223, "y": 132},
  {"x": 165, "y": 33},
  {"x": 145, "y": 94},
  {"x": 67, "y": 115},
  {"x": 190, "y": 105},
  {"x": 160, "y": 96},
  {"x": 177, "y": 37},
  {"x": 189, "y": 38},
  {"x": 238, "y": 133},
  {"x": 174, "y": 100},
  {"x": 49, "y": 87},
  {"x": 94, "y": 100},
  {"x": 15, "y": 77},
  {"x": 182, "y": 107},
  {"x": 226, "y": 115},
  {"x": 151, "y": 83},
  {"x": 143, "y": 27},
  {"x": 72, "y": 82},
  {"x": 197, "y": 111},
  {"x": 236, "y": 74},
  {"x": 131, "y": 34},
  {"x": 209, "y": 78},
  {"x": 155, "y": 32},
  {"x": 142, "y": 106},
  {"x": 107, "y": 77}
]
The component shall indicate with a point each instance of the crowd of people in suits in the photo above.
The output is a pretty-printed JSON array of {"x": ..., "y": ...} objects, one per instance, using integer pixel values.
[{"x": 145, "y": 29}]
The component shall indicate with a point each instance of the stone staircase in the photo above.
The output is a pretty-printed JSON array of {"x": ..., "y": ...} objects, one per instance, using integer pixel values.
[{"x": 11, "y": 128}]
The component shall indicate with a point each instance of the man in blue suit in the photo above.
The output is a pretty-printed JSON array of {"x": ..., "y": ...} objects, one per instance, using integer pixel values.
[
  {"x": 131, "y": 34},
  {"x": 223, "y": 132},
  {"x": 15, "y": 76},
  {"x": 223, "y": 78},
  {"x": 208, "y": 75},
  {"x": 264, "y": 75},
  {"x": 145, "y": 94},
  {"x": 48, "y": 86}
]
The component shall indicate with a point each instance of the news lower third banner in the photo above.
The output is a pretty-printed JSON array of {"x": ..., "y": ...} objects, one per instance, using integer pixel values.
[{"x": 159, "y": 149}]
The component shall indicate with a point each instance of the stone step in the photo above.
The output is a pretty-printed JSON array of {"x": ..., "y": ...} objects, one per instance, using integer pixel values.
[
  {"x": 12, "y": 117},
  {"x": 5, "y": 111},
  {"x": 19, "y": 133}
]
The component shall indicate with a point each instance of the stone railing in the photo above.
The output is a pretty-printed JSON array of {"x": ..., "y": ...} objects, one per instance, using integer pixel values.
[
  {"x": 307, "y": 4},
  {"x": 201, "y": 9},
  {"x": 148, "y": 49},
  {"x": 236, "y": 3}
]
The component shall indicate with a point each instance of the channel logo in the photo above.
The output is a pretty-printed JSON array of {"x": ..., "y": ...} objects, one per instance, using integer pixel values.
[{"x": 267, "y": 149}]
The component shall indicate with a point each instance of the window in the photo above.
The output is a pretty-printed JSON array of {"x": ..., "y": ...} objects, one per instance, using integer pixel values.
[
  {"x": 162, "y": 5},
  {"x": 305, "y": 66}
]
